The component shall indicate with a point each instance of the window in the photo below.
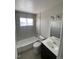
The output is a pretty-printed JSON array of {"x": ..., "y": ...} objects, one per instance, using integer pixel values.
[{"x": 26, "y": 21}]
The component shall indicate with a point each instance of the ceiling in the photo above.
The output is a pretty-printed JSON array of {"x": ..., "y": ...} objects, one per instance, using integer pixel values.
[{"x": 35, "y": 6}]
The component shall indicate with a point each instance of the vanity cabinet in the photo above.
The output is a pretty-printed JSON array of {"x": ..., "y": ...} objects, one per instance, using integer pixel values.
[{"x": 46, "y": 53}]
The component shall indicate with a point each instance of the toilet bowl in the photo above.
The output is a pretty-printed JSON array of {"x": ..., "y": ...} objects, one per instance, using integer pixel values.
[
  {"x": 37, "y": 48},
  {"x": 37, "y": 45}
]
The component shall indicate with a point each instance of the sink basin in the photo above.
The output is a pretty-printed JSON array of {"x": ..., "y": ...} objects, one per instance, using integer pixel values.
[{"x": 52, "y": 44}]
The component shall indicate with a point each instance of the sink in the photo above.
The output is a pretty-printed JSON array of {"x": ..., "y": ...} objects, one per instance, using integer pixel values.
[{"x": 52, "y": 44}]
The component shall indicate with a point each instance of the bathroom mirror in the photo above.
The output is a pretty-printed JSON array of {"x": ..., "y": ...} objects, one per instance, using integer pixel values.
[{"x": 56, "y": 26}]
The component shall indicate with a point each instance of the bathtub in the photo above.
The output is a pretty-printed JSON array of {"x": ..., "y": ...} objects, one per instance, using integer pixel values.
[{"x": 25, "y": 44}]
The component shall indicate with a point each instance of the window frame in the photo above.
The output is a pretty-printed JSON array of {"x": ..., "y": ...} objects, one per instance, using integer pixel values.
[{"x": 27, "y": 23}]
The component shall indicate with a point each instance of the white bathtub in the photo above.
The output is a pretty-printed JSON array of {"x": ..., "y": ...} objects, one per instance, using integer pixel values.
[{"x": 25, "y": 44}]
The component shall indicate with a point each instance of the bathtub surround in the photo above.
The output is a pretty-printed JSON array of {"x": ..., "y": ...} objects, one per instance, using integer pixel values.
[{"x": 25, "y": 31}]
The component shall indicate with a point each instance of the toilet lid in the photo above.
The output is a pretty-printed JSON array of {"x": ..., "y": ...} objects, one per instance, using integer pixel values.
[{"x": 36, "y": 44}]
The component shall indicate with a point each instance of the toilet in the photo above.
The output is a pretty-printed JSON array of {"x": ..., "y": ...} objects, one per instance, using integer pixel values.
[
  {"x": 37, "y": 48},
  {"x": 37, "y": 45}
]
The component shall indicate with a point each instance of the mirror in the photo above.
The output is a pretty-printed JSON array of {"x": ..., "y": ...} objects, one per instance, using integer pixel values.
[{"x": 56, "y": 26}]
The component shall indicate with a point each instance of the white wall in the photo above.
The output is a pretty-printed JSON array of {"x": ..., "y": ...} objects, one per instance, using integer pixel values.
[
  {"x": 43, "y": 25},
  {"x": 38, "y": 24}
]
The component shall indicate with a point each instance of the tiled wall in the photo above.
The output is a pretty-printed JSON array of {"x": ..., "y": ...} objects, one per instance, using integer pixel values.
[{"x": 26, "y": 31}]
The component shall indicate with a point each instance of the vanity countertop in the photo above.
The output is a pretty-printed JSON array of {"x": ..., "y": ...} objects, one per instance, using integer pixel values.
[{"x": 52, "y": 43}]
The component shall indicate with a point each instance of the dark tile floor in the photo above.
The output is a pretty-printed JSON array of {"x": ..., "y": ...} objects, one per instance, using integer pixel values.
[{"x": 29, "y": 55}]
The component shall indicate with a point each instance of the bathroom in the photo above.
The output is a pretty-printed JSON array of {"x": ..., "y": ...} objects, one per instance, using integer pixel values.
[{"x": 39, "y": 26}]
